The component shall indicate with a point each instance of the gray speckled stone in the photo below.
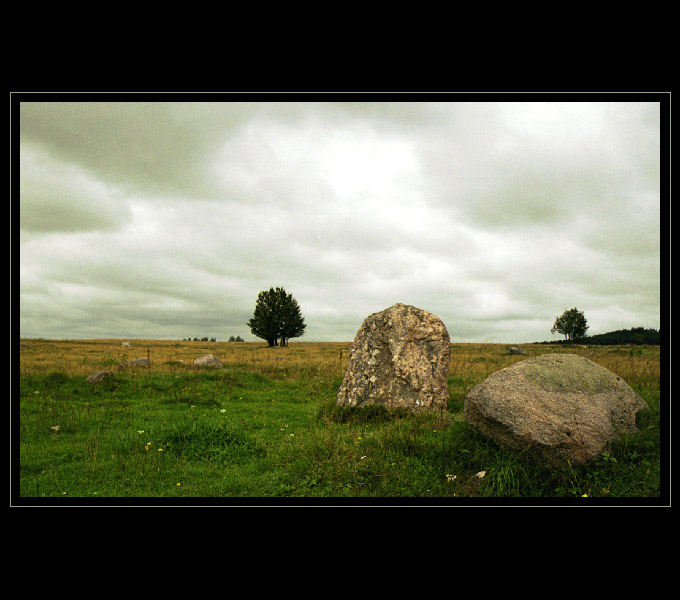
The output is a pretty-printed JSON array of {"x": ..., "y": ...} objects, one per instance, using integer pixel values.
[
  {"x": 399, "y": 359},
  {"x": 209, "y": 361}
]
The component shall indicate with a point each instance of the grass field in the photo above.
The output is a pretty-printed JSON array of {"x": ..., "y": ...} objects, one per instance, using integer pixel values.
[{"x": 266, "y": 426}]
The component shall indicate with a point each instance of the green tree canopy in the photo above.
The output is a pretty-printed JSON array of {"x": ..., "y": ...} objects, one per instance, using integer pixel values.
[
  {"x": 572, "y": 324},
  {"x": 277, "y": 317}
]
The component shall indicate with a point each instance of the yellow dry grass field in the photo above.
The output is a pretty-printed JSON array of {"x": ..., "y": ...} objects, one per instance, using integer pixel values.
[{"x": 469, "y": 362}]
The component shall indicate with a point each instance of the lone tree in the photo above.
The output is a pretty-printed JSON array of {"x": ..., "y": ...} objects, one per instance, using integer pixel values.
[
  {"x": 277, "y": 317},
  {"x": 572, "y": 324}
]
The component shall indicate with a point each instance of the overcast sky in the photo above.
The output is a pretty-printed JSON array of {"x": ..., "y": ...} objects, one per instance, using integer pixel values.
[{"x": 164, "y": 220}]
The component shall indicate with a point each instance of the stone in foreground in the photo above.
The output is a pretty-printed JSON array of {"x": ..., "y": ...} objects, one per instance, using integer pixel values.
[
  {"x": 209, "y": 361},
  {"x": 559, "y": 408},
  {"x": 399, "y": 359}
]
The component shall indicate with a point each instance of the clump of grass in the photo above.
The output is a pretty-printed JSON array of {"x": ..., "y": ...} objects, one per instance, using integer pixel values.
[
  {"x": 373, "y": 413},
  {"x": 214, "y": 442}
]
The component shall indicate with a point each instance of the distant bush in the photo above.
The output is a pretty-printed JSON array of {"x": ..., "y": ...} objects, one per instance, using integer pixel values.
[{"x": 238, "y": 338}]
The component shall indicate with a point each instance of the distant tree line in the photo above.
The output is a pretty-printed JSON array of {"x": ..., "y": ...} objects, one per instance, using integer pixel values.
[{"x": 635, "y": 335}]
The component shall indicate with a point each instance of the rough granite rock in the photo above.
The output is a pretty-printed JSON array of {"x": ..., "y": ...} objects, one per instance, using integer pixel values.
[
  {"x": 556, "y": 407},
  {"x": 399, "y": 359},
  {"x": 98, "y": 376},
  {"x": 208, "y": 360}
]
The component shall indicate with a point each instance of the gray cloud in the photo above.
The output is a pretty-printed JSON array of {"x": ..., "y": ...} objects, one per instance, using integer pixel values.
[
  {"x": 154, "y": 148},
  {"x": 166, "y": 219},
  {"x": 59, "y": 196}
]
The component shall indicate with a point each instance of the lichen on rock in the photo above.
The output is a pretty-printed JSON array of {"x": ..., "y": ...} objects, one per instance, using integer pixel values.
[{"x": 399, "y": 359}]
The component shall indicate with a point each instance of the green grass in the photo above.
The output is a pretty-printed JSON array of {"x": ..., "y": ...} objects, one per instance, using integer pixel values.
[{"x": 236, "y": 433}]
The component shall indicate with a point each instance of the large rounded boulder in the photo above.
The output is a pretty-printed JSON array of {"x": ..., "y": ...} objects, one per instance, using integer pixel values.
[
  {"x": 560, "y": 408},
  {"x": 399, "y": 359}
]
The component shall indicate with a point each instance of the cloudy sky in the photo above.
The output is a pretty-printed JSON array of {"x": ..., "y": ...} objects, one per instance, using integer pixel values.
[{"x": 164, "y": 220}]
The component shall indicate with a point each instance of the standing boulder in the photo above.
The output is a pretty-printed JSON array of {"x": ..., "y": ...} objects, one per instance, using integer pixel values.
[
  {"x": 559, "y": 408},
  {"x": 208, "y": 360},
  {"x": 399, "y": 359}
]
